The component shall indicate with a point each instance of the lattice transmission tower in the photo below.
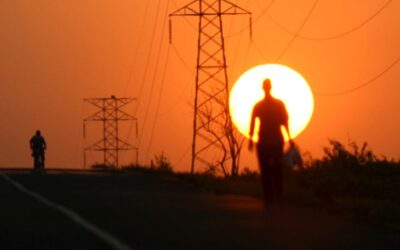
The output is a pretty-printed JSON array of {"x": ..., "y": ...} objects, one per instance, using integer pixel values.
[
  {"x": 110, "y": 113},
  {"x": 212, "y": 126}
]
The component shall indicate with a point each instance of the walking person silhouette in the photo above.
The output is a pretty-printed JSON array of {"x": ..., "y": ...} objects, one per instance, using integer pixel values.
[
  {"x": 272, "y": 115},
  {"x": 38, "y": 147}
]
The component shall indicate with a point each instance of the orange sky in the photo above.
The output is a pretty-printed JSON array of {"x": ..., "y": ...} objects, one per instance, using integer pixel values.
[{"x": 55, "y": 53}]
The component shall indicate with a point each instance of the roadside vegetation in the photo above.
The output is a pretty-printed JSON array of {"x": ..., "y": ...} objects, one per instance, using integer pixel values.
[
  {"x": 351, "y": 180},
  {"x": 348, "y": 179}
]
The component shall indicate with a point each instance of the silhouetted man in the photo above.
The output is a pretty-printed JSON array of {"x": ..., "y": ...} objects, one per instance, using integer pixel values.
[
  {"x": 38, "y": 146},
  {"x": 272, "y": 115}
]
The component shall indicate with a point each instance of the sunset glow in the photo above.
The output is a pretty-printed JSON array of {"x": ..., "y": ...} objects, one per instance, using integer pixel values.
[{"x": 287, "y": 85}]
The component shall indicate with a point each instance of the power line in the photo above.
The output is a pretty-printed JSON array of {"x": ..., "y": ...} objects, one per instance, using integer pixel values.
[
  {"x": 259, "y": 50},
  {"x": 146, "y": 65},
  {"x": 154, "y": 75},
  {"x": 183, "y": 155},
  {"x": 148, "y": 55},
  {"x": 176, "y": 100},
  {"x": 133, "y": 62},
  {"x": 333, "y": 36},
  {"x": 293, "y": 38},
  {"x": 156, "y": 114},
  {"x": 238, "y": 43},
  {"x": 263, "y": 12},
  {"x": 182, "y": 60},
  {"x": 361, "y": 85},
  {"x": 246, "y": 57},
  {"x": 139, "y": 41},
  {"x": 186, "y": 19},
  {"x": 186, "y": 65},
  {"x": 231, "y": 23},
  {"x": 298, "y": 31},
  {"x": 295, "y": 35}
]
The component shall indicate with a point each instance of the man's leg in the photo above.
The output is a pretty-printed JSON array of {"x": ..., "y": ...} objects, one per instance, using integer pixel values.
[
  {"x": 277, "y": 172},
  {"x": 267, "y": 185},
  {"x": 264, "y": 162}
]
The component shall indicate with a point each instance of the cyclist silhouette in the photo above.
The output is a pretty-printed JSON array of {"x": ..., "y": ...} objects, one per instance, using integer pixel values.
[{"x": 38, "y": 147}]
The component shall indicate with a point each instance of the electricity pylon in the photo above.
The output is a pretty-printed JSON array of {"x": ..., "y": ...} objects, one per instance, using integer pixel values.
[
  {"x": 110, "y": 113},
  {"x": 211, "y": 109}
]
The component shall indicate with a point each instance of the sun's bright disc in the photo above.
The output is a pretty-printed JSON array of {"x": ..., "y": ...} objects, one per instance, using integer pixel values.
[{"x": 287, "y": 85}]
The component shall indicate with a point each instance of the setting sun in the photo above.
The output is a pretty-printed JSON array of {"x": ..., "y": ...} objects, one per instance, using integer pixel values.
[{"x": 287, "y": 85}]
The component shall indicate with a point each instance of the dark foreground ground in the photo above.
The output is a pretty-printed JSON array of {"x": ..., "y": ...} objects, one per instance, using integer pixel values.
[{"x": 149, "y": 212}]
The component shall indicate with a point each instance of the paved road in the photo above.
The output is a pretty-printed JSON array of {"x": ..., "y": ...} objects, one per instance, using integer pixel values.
[{"x": 147, "y": 213}]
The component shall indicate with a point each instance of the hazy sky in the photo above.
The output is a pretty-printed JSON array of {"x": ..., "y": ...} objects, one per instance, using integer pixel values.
[{"x": 54, "y": 53}]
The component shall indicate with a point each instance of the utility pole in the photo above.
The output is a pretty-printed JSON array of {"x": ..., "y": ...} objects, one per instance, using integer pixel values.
[
  {"x": 211, "y": 102},
  {"x": 110, "y": 113}
]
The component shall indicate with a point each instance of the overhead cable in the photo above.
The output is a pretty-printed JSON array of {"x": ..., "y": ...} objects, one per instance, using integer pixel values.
[
  {"x": 347, "y": 32},
  {"x": 163, "y": 29},
  {"x": 373, "y": 79},
  {"x": 297, "y": 32}
]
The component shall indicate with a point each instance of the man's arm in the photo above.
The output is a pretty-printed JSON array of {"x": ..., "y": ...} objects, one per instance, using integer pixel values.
[
  {"x": 44, "y": 143},
  {"x": 251, "y": 131},
  {"x": 286, "y": 123},
  {"x": 252, "y": 125}
]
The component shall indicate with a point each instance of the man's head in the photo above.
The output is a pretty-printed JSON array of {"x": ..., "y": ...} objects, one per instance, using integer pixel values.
[
  {"x": 267, "y": 86},
  {"x": 37, "y": 132}
]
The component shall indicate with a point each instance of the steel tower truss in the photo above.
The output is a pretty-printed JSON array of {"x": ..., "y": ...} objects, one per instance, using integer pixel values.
[
  {"x": 211, "y": 109},
  {"x": 110, "y": 113}
]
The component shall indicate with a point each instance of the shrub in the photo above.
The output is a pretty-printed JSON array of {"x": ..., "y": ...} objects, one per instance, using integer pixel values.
[
  {"x": 161, "y": 163},
  {"x": 102, "y": 166}
]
